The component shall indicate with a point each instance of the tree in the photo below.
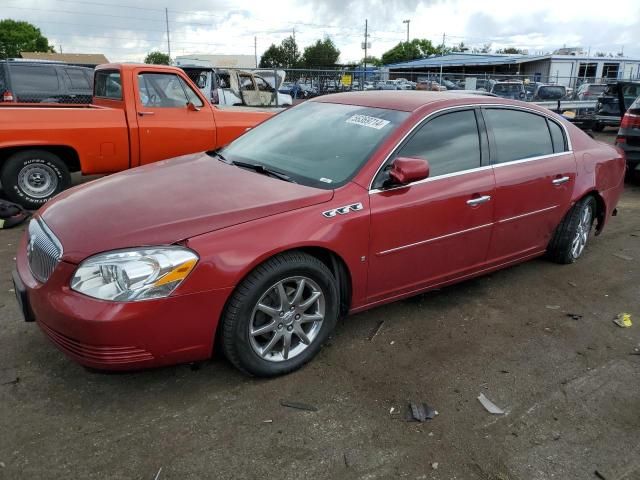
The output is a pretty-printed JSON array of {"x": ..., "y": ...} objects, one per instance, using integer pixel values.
[
  {"x": 157, "y": 58},
  {"x": 461, "y": 47},
  {"x": 510, "y": 50},
  {"x": 19, "y": 36},
  {"x": 285, "y": 55},
  {"x": 371, "y": 60},
  {"x": 323, "y": 53},
  {"x": 406, "y": 51}
]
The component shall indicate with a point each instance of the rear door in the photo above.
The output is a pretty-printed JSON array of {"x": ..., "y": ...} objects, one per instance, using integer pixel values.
[
  {"x": 168, "y": 128},
  {"x": 439, "y": 228},
  {"x": 535, "y": 174}
]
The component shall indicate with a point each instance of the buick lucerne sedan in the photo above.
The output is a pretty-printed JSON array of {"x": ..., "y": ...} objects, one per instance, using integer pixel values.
[{"x": 337, "y": 205}]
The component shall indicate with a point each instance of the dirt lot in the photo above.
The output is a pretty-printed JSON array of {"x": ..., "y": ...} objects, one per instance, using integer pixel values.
[{"x": 571, "y": 389}]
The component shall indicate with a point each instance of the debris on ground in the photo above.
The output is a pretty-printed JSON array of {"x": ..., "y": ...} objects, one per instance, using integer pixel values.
[
  {"x": 622, "y": 256},
  {"x": 574, "y": 316},
  {"x": 573, "y": 284},
  {"x": 434, "y": 465},
  {"x": 298, "y": 406},
  {"x": 157, "y": 474},
  {"x": 623, "y": 320},
  {"x": 599, "y": 475},
  {"x": 553, "y": 307},
  {"x": 489, "y": 405},
  {"x": 421, "y": 412},
  {"x": 267, "y": 421},
  {"x": 9, "y": 376},
  {"x": 376, "y": 330},
  {"x": 2, "y": 465}
]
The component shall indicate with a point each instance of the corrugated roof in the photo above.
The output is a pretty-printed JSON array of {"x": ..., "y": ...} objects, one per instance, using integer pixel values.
[
  {"x": 77, "y": 58},
  {"x": 466, "y": 59}
]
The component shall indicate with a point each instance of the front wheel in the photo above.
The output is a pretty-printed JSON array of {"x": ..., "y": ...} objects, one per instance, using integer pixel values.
[
  {"x": 571, "y": 236},
  {"x": 279, "y": 316},
  {"x": 32, "y": 177}
]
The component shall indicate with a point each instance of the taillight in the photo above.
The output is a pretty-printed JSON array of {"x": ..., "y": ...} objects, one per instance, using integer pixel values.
[
  {"x": 7, "y": 96},
  {"x": 630, "y": 120}
]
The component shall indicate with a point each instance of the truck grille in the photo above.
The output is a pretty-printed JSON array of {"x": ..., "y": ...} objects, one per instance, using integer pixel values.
[{"x": 43, "y": 250}]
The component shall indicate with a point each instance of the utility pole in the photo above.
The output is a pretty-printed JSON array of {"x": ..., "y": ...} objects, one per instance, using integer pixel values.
[
  {"x": 407, "y": 21},
  {"x": 166, "y": 18},
  {"x": 444, "y": 36},
  {"x": 60, "y": 48},
  {"x": 255, "y": 49},
  {"x": 294, "y": 34},
  {"x": 366, "y": 35}
]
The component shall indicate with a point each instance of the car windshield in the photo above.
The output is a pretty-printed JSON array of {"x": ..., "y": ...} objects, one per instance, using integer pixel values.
[
  {"x": 317, "y": 144},
  {"x": 507, "y": 88}
]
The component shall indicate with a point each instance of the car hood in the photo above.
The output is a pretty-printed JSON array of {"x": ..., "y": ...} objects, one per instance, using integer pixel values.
[{"x": 166, "y": 202}]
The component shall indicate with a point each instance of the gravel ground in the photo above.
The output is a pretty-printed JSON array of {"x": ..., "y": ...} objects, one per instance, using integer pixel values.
[{"x": 570, "y": 389}]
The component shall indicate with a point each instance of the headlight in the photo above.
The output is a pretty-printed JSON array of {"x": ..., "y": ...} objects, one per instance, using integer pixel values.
[{"x": 136, "y": 274}]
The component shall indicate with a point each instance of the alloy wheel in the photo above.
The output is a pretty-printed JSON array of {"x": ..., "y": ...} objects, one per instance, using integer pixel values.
[{"x": 582, "y": 231}]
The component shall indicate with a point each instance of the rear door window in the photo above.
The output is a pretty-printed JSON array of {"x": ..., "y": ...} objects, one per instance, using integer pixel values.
[
  {"x": 34, "y": 79},
  {"x": 78, "y": 79},
  {"x": 449, "y": 142},
  {"x": 557, "y": 137},
  {"x": 517, "y": 134}
]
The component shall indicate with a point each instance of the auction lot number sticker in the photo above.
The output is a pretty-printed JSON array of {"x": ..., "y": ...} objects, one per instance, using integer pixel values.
[{"x": 367, "y": 121}]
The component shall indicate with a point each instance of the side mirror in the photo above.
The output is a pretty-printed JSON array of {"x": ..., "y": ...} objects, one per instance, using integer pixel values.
[
  {"x": 192, "y": 108},
  {"x": 405, "y": 170}
]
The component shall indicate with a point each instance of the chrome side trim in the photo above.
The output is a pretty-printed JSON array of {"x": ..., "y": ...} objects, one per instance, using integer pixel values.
[
  {"x": 528, "y": 214},
  {"x": 432, "y": 179},
  {"x": 476, "y": 105},
  {"x": 431, "y": 240}
]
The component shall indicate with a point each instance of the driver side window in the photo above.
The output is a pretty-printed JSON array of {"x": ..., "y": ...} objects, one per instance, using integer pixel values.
[
  {"x": 450, "y": 143},
  {"x": 164, "y": 90}
]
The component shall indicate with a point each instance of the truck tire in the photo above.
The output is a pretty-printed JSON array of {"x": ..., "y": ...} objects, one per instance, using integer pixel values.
[
  {"x": 32, "y": 177},
  {"x": 598, "y": 127},
  {"x": 279, "y": 316}
]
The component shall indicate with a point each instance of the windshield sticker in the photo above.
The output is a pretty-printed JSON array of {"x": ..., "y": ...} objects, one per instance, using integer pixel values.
[
  {"x": 367, "y": 121},
  {"x": 326, "y": 180}
]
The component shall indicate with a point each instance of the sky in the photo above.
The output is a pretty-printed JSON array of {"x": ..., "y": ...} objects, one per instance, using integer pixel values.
[{"x": 126, "y": 30}]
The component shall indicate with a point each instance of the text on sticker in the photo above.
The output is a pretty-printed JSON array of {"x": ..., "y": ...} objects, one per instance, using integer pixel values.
[{"x": 367, "y": 121}]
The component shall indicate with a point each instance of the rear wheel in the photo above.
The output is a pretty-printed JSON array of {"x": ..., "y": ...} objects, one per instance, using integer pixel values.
[
  {"x": 572, "y": 235},
  {"x": 32, "y": 177},
  {"x": 279, "y": 316}
]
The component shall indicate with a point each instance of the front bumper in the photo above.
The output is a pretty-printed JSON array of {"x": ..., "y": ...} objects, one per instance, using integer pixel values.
[{"x": 120, "y": 335}]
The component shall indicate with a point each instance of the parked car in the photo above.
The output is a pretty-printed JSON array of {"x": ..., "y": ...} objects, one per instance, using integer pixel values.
[
  {"x": 545, "y": 92},
  {"x": 430, "y": 85},
  {"x": 628, "y": 138},
  {"x": 451, "y": 85},
  {"x": 509, "y": 89},
  {"x": 589, "y": 91},
  {"x": 332, "y": 189},
  {"x": 607, "y": 111},
  {"x": 387, "y": 85},
  {"x": 484, "y": 84},
  {"x": 44, "y": 82},
  {"x": 140, "y": 114}
]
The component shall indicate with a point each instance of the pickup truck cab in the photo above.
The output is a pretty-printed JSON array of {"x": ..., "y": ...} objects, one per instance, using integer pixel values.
[{"x": 140, "y": 114}]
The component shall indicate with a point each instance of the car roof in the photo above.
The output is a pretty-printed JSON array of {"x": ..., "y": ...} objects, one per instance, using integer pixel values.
[{"x": 403, "y": 100}]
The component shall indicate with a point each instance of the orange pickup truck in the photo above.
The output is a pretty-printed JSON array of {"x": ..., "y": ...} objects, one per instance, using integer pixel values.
[{"x": 140, "y": 114}]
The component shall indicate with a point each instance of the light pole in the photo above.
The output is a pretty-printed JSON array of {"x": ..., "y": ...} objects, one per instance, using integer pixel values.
[{"x": 407, "y": 21}]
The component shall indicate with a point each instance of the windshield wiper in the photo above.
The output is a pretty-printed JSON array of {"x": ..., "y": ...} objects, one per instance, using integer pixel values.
[
  {"x": 221, "y": 157},
  {"x": 256, "y": 167}
]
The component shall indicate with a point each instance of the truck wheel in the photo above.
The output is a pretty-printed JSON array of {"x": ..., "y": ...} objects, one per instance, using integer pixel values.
[
  {"x": 597, "y": 127},
  {"x": 571, "y": 236},
  {"x": 32, "y": 177},
  {"x": 279, "y": 316}
]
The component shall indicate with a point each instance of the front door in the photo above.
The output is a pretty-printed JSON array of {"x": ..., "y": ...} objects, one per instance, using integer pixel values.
[
  {"x": 439, "y": 228},
  {"x": 535, "y": 174},
  {"x": 167, "y": 126}
]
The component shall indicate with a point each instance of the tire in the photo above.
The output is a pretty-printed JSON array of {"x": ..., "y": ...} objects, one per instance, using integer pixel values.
[
  {"x": 565, "y": 246},
  {"x": 33, "y": 177},
  {"x": 597, "y": 127},
  {"x": 265, "y": 355}
]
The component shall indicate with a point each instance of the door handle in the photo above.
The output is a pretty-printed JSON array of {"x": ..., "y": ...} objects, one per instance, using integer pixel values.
[
  {"x": 142, "y": 114},
  {"x": 477, "y": 201},
  {"x": 560, "y": 181}
]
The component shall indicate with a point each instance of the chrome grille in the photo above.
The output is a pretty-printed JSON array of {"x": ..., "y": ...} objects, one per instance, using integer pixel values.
[{"x": 43, "y": 250}]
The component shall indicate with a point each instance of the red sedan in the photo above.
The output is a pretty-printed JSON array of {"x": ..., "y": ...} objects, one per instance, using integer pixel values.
[{"x": 335, "y": 206}]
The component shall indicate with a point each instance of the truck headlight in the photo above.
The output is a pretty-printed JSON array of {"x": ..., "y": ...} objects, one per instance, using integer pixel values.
[{"x": 134, "y": 274}]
